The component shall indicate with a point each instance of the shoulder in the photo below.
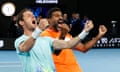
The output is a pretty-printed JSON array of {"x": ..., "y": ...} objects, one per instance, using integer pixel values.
[
  {"x": 19, "y": 40},
  {"x": 69, "y": 35},
  {"x": 23, "y": 37},
  {"x": 45, "y": 33}
]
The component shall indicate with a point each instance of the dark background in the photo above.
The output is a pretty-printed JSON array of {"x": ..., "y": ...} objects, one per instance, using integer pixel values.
[{"x": 101, "y": 12}]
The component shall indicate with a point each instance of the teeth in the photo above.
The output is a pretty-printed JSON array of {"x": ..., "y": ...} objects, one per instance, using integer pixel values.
[{"x": 60, "y": 21}]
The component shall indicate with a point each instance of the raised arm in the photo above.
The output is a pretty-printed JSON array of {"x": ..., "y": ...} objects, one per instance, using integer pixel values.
[
  {"x": 59, "y": 44},
  {"x": 27, "y": 45},
  {"x": 85, "y": 47}
]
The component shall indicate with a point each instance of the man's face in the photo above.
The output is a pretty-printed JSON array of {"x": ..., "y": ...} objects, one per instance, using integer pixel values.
[
  {"x": 56, "y": 18},
  {"x": 65, "y": 16},
  {"x": 29, "y": 20},
  {"x": 73, "y": 15},
  {"x": 77, "y": 16}
]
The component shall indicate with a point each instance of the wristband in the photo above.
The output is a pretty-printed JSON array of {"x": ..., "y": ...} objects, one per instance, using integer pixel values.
[
  {"x": 36, "y": 32},
  {"x": 83, "y": 34}
]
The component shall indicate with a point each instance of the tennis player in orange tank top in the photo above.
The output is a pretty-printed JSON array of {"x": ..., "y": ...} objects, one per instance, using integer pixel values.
[{"x": 65, "y": 61}]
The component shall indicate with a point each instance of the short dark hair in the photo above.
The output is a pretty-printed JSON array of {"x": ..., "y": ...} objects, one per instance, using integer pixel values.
[
  {"x": 49, "y": 15},
  {"x": 20, "y": 16}
]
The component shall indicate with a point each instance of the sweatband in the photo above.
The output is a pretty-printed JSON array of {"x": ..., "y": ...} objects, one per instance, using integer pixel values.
[
  {"x": 36, "y": 32},
  {"x": 83, "y": 34}
]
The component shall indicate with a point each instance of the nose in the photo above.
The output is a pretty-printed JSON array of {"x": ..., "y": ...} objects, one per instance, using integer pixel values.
[{"x": 61, "y": 17}]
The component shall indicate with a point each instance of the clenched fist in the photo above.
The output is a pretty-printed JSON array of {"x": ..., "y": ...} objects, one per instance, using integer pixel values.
[
  {"x": 88, "y": 25},
  {"x": 64, "y": 27},
  {"x": 43, "y": 24},
  {"x": 102, "y": 30}
]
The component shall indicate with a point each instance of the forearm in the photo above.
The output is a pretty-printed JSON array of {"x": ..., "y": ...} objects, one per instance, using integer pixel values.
[
  {"x": 63, "y": 34},
  {"x": 61, "y": 44},
  {"x": 73, "y": 42},
  {"x": 27, "y": 45},
  {"x": 92, "y": 42},
  {"x": 88, "y": 45}
]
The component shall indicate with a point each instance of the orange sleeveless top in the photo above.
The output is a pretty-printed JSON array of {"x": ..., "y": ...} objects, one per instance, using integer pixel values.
[{"x": 65, "y": 61}]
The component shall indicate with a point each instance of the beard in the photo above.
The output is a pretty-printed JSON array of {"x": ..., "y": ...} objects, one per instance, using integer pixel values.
[
  {"x": 56, "y": 23},
  {"x": 55, "y": 26}
]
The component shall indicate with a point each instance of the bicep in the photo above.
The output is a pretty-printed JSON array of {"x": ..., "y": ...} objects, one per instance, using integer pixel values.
[
  {"x": 80, "y": 47},
  {"x": 18, "y": 44}
]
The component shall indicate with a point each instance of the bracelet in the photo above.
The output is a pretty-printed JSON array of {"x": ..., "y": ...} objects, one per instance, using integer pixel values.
[
  {"x": 83, "y": 34},
  {"x": 36, "y": 32}
]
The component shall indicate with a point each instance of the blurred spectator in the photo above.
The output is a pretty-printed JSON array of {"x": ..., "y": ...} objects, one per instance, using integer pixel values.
[
  {"x": 66, "y": 20},
  {"x": 76, "y": 24},
  {"x": 85, "y": 18},
  {"x": 13, "y": 29}
]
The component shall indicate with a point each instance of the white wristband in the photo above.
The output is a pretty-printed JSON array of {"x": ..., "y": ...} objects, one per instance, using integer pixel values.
[
  {"x": 36, "y": 32},
  {"x": 83, "y": 34}
]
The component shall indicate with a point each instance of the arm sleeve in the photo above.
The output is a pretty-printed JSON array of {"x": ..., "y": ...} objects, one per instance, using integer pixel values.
[{"x": 17, "y": 43}]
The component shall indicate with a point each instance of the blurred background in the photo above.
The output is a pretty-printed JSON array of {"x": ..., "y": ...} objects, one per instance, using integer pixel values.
[
  {"x": 100, "y": 12},
  {"x": 104, "y": 56}
]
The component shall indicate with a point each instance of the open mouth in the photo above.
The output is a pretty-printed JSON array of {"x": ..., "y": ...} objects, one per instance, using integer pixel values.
[
  {"x": 60, "y": 22},
  {"x": 33, "y": 22}
]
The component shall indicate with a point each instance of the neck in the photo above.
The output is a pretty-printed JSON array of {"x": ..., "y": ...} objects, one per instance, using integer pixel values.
[{"x": 27, "y": 32}]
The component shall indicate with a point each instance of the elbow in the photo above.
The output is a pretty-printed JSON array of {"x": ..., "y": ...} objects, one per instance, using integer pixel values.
[
  {"x": 23, "y": 49},
  {"x": 83, "y": 49}
]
